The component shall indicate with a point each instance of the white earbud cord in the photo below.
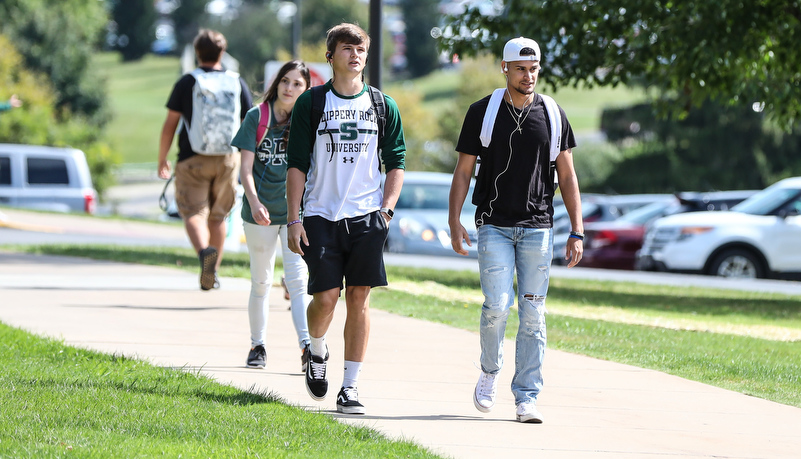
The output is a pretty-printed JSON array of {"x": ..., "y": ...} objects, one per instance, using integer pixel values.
[{"x": 519, "y": 122}]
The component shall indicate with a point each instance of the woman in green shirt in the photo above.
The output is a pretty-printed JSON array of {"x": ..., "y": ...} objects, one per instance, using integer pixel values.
[{"x": 262, "y": 140}]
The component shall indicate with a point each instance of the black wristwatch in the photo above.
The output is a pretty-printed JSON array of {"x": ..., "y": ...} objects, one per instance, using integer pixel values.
[{"x": 388, "y": 211}]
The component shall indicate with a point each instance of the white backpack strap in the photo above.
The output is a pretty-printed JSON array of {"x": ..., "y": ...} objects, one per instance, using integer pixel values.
[
  {"x": 194, "y": 73},
  {"x": 555, "y": 117},
  {"x": 489, "y": 116}
]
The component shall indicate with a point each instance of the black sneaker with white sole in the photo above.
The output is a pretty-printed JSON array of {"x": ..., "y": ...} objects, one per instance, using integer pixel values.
[
  {"x": 316, "y": 381},
  {"x": 257, "y": 357},
  {"x": 348, "y": 401}
]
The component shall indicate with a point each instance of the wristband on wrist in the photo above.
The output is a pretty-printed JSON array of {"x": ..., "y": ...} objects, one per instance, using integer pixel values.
[
  {"x": 292, "y": 223},
  {"x": 576, "y": 235}
]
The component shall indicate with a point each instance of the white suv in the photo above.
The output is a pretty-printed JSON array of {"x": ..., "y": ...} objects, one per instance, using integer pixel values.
[{"x": 758, "y": 238}]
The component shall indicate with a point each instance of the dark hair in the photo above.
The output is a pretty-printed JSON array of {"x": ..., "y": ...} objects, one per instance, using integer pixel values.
[
  {"x": 347, "y": 33},
  {"x": 209, "y": 45},
  {"x": 297, "y": 64},
  {"x": 272, "y": 91}
]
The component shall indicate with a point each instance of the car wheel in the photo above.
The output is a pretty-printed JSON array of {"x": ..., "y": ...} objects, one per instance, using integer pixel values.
[{"x": 737, "y": 263}]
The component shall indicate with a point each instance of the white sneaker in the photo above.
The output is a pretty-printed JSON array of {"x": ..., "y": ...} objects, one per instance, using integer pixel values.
[
  {"x": 527, "y": 412},
  {"x": 484, "y": 395}
]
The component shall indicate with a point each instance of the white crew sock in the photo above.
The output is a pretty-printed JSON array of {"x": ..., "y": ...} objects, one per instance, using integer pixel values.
[
  {"x": 318, "y": 347},
  {"x": 352, "y": 370}
]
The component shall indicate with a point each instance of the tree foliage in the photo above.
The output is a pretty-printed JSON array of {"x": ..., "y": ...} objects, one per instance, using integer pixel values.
[
  {"x": 421, "y": 48},
  {"x": 37, "y": 123},
  {"x": 320, "y": 15},
  {"x": 254, "y": 38},
  {"x": 135, "y": 21},
  {"x": 187, "y": 19},
  {"x": 57, "y": 38},
  {"x": 714, "y": 147},
  {"x": 736, "y": 52}
]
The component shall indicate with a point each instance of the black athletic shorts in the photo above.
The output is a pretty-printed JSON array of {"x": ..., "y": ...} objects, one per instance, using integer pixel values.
[{"x": 352, "y": 248}]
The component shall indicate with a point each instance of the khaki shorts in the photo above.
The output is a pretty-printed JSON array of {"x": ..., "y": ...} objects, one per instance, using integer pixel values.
[{"x": 206, "y": 185}]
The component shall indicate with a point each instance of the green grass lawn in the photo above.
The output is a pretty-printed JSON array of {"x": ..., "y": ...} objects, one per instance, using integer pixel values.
[
  {"x": 60, "y": 401},
  {"x": 138, "y": 93}
]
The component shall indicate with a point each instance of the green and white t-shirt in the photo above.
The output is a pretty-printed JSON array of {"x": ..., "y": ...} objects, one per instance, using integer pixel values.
[
  {"x": 269, "y": 166},
  {"x": 343, "y": 171}
]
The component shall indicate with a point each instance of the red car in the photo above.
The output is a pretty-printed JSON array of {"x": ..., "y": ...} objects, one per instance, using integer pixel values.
[{"x": 614, "y": 244}]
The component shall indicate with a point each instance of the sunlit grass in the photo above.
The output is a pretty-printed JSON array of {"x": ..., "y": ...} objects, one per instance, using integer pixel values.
[{"x": 57, "y": 401}]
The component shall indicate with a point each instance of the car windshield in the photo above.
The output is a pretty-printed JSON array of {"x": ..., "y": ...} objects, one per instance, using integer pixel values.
[
  {"x": 645, "y": 214},
  {"x": 767, "y": 201},
  {"x": 430, "y": 197}
]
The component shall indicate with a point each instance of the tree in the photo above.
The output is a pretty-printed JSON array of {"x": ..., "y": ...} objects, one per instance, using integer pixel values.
[
  {"x": 57, "y": 38},
  {"x": 187, "y": 19},
  {"x": 320, "y": 15},
  {"x": 420, "y": 17},
  {"x": 254, "y": 38},
  {"x": 36, "y": 122},
  {"x": 135, "y": 20},
  {"x": 737, "y": 52}
]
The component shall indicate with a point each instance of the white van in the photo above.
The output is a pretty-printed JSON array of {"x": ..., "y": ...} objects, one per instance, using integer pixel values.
[{"x": 45, "y": 178}]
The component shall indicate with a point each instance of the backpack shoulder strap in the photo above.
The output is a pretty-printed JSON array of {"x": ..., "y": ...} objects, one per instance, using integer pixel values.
[
  {"x": 555, "y": 118},
  {"x": 488, "y": 123},
  {"x": 380, "y": 106},
  {"x": 317, "y": 107},
  {"x": 264, "y": 122}
]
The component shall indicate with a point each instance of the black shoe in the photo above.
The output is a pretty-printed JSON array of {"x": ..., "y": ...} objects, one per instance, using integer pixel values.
[
  {"x": 348, "y": 401},
  {"x": 304, "y": 359},
  {"x": 208, "y": 267},
  {"x": 256, "y": 357},
  {"x": 316, "y": 382}
]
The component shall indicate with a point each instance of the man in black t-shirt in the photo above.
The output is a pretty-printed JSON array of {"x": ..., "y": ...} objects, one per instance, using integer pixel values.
[
  {"x": 514, "y": 198},
  {"x": 205, "y": 181}
]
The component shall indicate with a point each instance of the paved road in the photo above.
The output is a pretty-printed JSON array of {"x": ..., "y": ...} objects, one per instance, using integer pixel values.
[
  {"x": 417, "y": 379},
  {"x": 26, "y": 227}
]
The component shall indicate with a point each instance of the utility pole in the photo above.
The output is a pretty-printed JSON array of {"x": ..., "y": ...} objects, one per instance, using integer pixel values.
[
  {"x": 296, "y": 24},
  {"x": 376, "y": 46}
]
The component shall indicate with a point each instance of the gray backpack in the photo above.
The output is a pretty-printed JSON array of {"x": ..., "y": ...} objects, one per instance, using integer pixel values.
[{"x": 215, "y": 112}]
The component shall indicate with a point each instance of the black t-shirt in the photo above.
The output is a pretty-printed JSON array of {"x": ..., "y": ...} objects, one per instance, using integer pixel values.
[
  {"x": 181, "y": 101},
  {"x": 514, "y": 190}
]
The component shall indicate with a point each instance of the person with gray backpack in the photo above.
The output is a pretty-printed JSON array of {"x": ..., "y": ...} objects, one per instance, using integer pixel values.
[{"x": 209, "y": 104}]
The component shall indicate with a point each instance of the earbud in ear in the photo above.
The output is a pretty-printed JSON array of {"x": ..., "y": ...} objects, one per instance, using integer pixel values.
[
  {"x": 328, "y": 55},
  {"x": 505, "y": 68}
]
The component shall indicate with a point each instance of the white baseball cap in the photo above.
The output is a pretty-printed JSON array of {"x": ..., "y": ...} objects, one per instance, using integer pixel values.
[{"x": 521, "y": 49}]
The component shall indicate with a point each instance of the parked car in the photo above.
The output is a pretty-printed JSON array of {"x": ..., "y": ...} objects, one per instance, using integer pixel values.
[
  {"x": 420, "y": 224},
  {"x": 614, "y": 244},
  {"x": 46, "y": 178},
  {"x": 757, "y": 238},
  {"x": 597, "y": 208}
]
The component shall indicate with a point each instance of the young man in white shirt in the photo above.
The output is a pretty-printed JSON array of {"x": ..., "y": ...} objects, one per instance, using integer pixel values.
[{"x": 334, "y": 172}]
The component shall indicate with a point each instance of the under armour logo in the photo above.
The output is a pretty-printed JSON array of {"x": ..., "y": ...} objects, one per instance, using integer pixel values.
[{"x": 347, "y": 159}]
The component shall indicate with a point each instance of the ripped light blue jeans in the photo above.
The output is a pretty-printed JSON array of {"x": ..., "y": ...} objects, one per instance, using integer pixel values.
[{"x": 502, "y": 251}]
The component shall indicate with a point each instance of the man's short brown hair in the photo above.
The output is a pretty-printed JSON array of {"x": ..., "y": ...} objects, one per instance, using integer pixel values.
[
  {"x": 209, "y": 45},
  {"x": 347, "y": 33}
]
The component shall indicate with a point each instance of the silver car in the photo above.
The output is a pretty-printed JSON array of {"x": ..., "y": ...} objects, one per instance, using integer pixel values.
[
  {"x": 420, "y": 224},
  {"x": 46, "y": 178}
]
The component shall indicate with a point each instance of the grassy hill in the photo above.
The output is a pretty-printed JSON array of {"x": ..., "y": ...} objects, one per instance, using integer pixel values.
[{"x": 138, "y": 93}]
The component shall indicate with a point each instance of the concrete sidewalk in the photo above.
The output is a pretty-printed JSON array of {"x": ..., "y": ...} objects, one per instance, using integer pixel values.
[{"x": 418, "y": 377}]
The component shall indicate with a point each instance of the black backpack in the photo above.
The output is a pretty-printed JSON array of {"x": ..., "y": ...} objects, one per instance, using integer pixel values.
[{"x": 318, "y": 105}]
